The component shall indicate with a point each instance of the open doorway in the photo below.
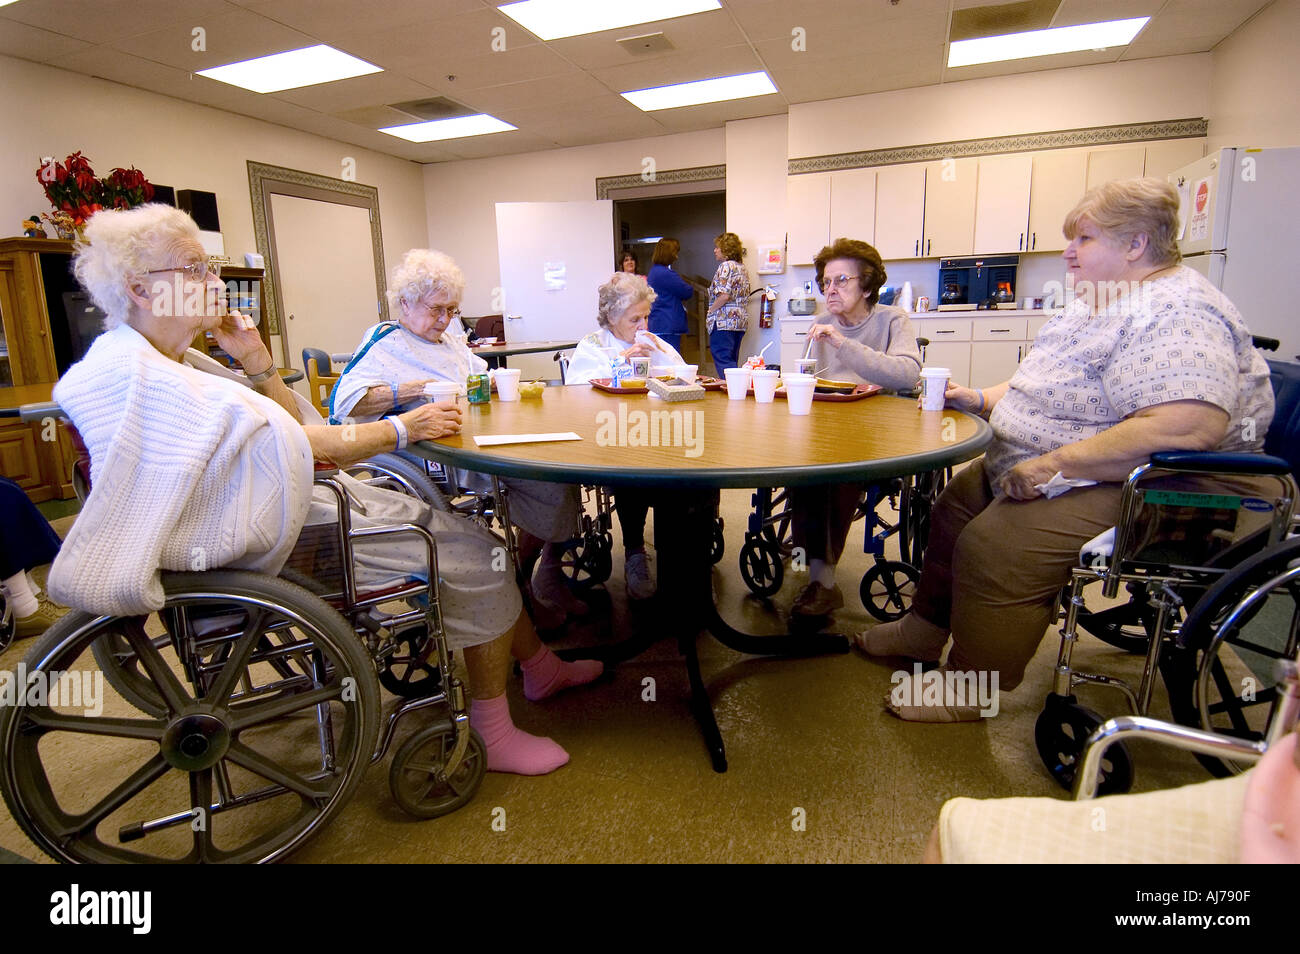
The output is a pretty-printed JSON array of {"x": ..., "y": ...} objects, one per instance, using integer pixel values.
[{"x": 695, "y": 220}]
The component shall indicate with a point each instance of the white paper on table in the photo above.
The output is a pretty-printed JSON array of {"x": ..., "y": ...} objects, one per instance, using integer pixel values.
[
  {"x": 491, "y": 440},
  {"x": 1059, "y": 484}
]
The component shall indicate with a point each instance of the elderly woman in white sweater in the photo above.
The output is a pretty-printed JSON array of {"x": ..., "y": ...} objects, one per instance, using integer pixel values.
[
  {"x": 394, "y": 362},
  {"x": 187, "y": 458}
]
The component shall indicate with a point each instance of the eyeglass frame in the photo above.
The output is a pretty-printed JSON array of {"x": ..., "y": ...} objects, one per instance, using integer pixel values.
[
  {"x": 209, "y": 270},
  {"x": 451, "y": 312},
  {"x": 839, "y": 281}
]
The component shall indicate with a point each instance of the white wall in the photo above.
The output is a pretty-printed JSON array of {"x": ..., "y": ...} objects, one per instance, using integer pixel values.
[
  {"x": 51, "y": 112},
  {"x": 1253, "y": 98},
  {"x": 1171, "y": 87},
  {"x": 461, "y": 197}
]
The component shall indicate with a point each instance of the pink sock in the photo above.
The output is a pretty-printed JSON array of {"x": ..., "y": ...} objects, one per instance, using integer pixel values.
[
  {"x": 545, "y": 674},
  {"x": 511, "y": 749}
]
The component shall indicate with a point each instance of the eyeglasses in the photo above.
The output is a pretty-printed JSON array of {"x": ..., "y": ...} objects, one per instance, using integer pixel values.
[
  {"x": 450, "y": 312},
  {"x": 838, "y": 281},
  {"x": 195, "y": 271}
]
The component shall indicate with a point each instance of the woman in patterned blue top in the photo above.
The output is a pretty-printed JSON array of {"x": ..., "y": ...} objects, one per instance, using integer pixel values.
[
  {"x": 1147, "y": 357},
  {"x": 728, "y": 316}
]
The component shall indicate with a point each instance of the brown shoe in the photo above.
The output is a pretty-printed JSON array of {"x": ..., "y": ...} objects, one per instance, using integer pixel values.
[
  {"x": 817, "y": 600},
  {"x": 47, "y": 614}
]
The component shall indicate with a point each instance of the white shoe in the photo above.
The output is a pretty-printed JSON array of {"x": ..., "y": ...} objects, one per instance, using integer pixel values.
[{"x": 636, "y": 572}]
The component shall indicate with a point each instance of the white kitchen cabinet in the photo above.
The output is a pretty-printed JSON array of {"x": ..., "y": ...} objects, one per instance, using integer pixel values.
[
  {"x": 1060, "y": 177},
  {"x": 950, "y": 189},
  {"x": 900, "y": 210},
  {"x": 808, "y": 214},
  {"x": 1172, "y": 154},
  {"x": 1002, "y": 204},
  {"x": 794, "y": 339},
  {"x": 953, "y": 356},
  {"x": 992, "y": 362},
  {"x": 853, "y": 205},
  {"x": 1107, "y": 164}
]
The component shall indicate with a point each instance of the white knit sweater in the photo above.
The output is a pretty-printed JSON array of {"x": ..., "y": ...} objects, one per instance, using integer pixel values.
[{"x": 188, "y": 472}]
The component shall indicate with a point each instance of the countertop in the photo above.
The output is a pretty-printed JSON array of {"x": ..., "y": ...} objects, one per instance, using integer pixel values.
[{"x": 974, "y": 313}]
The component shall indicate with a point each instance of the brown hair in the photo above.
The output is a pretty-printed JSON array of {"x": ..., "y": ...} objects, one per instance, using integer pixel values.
[
  {"x": 729, "y": 244},
  {"x": 1124, "y": 208},
  {"x": 666, "y": 250},
  {"x": 871, "y": 270}
]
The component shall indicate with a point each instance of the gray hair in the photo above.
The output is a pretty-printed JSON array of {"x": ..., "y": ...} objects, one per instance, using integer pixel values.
[
  {"x": 120, "y": 246},
  {"x": 425, "y": 272},
  {"x": 620, "y": 293}
]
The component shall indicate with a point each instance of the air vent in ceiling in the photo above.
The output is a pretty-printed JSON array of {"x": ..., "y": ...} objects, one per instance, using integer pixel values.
[
  {"x": 429, "y": 109},
  {"x": 1001, "y": 19},
  {"x": 649, "y": 43}
]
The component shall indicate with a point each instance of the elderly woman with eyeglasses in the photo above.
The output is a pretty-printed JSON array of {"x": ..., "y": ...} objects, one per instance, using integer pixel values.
[
  {"x": 189, "y": 460},
  {"x": 864, "y": 342},
  {"x": 388, "y": 374}
]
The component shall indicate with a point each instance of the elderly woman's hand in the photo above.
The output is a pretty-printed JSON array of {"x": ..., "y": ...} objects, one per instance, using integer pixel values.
[
  {"x": 238, "y": 337},
  {"x": 429, "y": 422},
  {"x": 829, "y": 332},
  {"x": 638, "y": 350},
  {"x": 1021, "y": 482}
]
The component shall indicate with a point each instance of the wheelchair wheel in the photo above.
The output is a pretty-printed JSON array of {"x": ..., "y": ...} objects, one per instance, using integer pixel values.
[
  {"x": 1060, "y": 734},
  {"x": 588, "y": 561},
  {"x": 403, "y": 474},
  {"x": 416, "y": 778},
  {"x": 8, "y": 624},
  {"x": 760, "y": 565},
  {"x": 1221, "y": 676},
  {"x": 719, "y": 542},
  {"x": 239, "y": 764},
  {"x": 886, "y": 589},
  {"x": 407, "y": 672}
]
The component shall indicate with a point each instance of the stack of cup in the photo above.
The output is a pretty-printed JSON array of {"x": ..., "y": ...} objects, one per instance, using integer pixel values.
[
  {"x": 765, "y": 382},
  {"x": 737, "y": 383},
  {"x": 508, "y": 384},
  {"x": 799, "y": 390},
  {"x": 934, "y": 382}
]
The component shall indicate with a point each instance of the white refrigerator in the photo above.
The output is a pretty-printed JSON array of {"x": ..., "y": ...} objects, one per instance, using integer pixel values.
[{"x": 1239, "y": 225}]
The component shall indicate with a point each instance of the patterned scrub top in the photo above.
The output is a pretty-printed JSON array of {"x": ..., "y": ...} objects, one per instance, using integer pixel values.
[
  {"x": 1177, "y": 338},
  {"x": 731, "y": 279}
]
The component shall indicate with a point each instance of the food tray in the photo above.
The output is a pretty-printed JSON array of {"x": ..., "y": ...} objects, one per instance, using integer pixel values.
[{"x": 607, "y": 385}]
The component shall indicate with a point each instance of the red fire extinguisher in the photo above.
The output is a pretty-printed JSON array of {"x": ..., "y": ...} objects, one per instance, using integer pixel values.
[{"x": 767, "y": 306}]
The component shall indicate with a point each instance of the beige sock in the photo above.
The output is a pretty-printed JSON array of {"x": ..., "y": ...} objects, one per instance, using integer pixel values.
[{"x": 910, "y": 636}]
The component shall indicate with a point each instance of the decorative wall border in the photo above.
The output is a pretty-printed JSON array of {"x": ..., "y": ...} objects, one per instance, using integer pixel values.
[
  {"x": 261, "y": 179},
  {"x": 1029, "y": 142},
  {"x": 607, "y": 184}
]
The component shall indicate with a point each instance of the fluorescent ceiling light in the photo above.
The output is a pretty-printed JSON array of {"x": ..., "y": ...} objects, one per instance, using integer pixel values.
[
  {"x": 456, "y": 128},
  {"x": 292, "y": 69},
  {"x": 1018, "y": 46},
  {"x": 703, "y": 91},
  {"x": 553, "y": 19}
]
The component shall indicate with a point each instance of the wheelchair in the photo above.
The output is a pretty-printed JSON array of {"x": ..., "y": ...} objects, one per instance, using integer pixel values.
[
  {"x": 1180, "y": 594},
  {"x": 238, "y": 720},
  {"x": 887, "y": 586},
  {"x": 8, "y": 623}
]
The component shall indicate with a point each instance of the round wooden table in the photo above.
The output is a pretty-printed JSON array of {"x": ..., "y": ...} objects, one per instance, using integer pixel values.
[{"x": 694, "y": 448}]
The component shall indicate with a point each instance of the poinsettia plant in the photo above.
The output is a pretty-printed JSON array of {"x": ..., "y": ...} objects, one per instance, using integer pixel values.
[{"x": 72, "y": 187}]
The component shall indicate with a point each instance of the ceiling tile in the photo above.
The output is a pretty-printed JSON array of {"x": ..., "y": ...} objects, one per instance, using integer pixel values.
[
  {"x": 497, "y": 144},
  {"x": 1071, "y": 12},
  {"x": 374, "y": 89},
  {"x": 464, "y": 70},
  {"x": 574, "y": 87},
  {"x": 341, "y": 18},
  {"x": 33, "y": 43},
  {"x": 710, "y": 30},
  {"x": 106, "y": 20},
  {"x": 850, "y": 76},
  {"x": 681, "y": 68}
]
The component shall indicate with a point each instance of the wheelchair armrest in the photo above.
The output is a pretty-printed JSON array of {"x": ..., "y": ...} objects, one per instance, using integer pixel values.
[
  {"x": 39, "y": 411},
  {"x": 1212, "y": 463}
]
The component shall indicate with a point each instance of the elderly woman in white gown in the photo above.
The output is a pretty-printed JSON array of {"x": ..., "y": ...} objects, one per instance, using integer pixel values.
[
  {"x": 187, "y": 457},
  {"x": 388, "y": 373},
  {"x": 623, "y": 310}
]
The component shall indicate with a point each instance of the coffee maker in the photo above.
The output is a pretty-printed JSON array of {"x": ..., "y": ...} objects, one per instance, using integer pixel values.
[{"x": 978, "y": 282}]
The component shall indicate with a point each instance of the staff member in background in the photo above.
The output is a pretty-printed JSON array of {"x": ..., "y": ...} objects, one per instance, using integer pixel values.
[
  {"x": 728, "y": 316},
  {"x": 864, "y": 342},
  {"x": 628, "y": 264},
  {"x": 668, "y": 311}
]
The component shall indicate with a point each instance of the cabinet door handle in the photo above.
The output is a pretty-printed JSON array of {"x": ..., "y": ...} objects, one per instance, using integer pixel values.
[
  {"x": 945, "y": 331},
  {"x": 1033, "y": 242},
  {"x": 916, "y": 250},
  {"x": 927, "y": 247},
  {"x": 1020, "y": 354},
  {"x": 999, "y": 331},
  {"x": 1022, "y": 241},
  {"x": 923, "y": 347}
]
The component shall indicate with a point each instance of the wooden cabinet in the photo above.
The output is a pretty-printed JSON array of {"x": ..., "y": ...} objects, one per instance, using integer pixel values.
[
  {"x": 950, "y": 189},
  {"x": 900, "y": 210},
  {"x": 1107, "y": 164},
  {"x": 808, "y": 211},
  {"x": 853, "y": 205},
  {"x": 1002, "y": 204},
  {"x": 1058, "y": 182}
]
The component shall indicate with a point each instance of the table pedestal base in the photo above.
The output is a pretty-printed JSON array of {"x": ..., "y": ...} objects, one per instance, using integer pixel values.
[{"x": 683, "y": 544}]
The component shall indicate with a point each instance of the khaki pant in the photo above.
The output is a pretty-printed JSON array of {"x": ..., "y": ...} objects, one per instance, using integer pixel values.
[{"x": 993, "y": 566}]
